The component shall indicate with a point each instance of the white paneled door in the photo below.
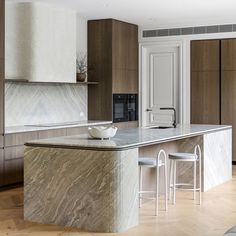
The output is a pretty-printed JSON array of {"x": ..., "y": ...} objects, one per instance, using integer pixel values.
[{"x": 160, "y": 83}]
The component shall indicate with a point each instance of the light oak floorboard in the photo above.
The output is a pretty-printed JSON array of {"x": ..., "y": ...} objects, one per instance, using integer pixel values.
[{"x": 216, "y": 214}]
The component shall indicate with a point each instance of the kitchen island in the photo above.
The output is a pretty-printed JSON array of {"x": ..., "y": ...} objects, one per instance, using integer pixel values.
[{"x": 92, "y": 184}]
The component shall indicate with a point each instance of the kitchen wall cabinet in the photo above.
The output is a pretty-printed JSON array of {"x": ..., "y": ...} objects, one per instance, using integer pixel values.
[
  {"x": 2, "y": 64},
  {"x": 228, "y": 87},
  {"x": 113, "y": 62},
  {"x": 213, "y": 83},
  {"x": 205, "y": 82}
]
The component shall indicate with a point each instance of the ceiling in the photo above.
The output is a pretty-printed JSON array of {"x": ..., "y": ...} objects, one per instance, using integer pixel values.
[{"x": 155, "y": 13}]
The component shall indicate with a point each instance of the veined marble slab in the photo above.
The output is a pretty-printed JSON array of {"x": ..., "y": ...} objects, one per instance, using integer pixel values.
[
  {"x": 129, "y": 138},
  {"x": 43, "y": 103},
  {"x": 91, "y": 190}
]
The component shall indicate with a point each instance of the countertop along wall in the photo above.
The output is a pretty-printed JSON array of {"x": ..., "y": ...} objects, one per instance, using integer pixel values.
[
  {"x": 185, "y": 60},
  {"x": 27, "y": 103}
]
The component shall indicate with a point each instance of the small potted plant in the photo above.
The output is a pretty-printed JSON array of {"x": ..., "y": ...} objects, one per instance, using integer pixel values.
[{"x": 81, "y": 67}]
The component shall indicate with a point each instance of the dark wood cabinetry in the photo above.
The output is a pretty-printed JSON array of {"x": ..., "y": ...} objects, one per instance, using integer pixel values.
[
  {"x": 113, "y": 62},
  {"x": 213, "y": 83},
  {"x": 205, "y": 82}
]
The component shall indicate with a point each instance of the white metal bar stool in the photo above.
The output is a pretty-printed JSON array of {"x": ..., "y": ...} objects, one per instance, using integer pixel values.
[
  {"x": 188, "y": 157},
  {"x": 154, "y": 162}
]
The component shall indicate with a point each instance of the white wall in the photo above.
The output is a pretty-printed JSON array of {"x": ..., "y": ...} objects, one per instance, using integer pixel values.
[
  {"x": 186, "y": 39},
  {"x": 81, "y": 34},
  {"x": 40, "y": 42}
]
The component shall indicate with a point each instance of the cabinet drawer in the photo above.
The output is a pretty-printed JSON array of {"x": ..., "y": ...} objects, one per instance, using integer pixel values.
[
  {"x": 76, "y": 131},
  {"x": 13, "y": 152},
  {"x": 51, "y": 133},
  {"x": 13, "y": 171},
  {"x": 19, "y": 139}
]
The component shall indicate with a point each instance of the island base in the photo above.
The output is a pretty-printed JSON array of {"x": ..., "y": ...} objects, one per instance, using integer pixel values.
[{"x": 92, "y": 190}]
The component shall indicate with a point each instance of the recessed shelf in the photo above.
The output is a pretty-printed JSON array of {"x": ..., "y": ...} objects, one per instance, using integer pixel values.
[{"x": 45, "y": 83}]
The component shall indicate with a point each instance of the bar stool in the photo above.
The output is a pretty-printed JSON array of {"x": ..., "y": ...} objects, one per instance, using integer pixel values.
[
  {"x": 185, "y": 157},
  {"x": 157, "y": 163}
]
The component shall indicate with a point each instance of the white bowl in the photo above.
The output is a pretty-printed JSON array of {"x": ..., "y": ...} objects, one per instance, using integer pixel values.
[{"x": 102, "y": 132}]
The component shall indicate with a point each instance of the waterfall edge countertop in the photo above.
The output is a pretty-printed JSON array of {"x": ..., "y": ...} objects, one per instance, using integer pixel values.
[{"x": 128, "y": 138}]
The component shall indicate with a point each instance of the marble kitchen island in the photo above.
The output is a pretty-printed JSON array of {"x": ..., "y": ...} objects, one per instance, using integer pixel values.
[{"x": 92, "y": 184}]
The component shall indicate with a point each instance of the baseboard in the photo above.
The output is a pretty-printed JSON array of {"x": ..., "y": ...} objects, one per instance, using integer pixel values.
[{"x": 234, "y": 162}]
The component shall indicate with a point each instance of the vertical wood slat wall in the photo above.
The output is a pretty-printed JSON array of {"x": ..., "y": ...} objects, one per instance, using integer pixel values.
[
  {"x": 205, "y": 82},
  {"x": 213, "y": 83},
  {"x": 228, "y": 86}
]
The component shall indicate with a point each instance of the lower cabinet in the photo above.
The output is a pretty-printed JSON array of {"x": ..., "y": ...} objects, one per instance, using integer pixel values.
[
  {"x": 12, "y": 153},
  {"x": 13, "y": 171}
]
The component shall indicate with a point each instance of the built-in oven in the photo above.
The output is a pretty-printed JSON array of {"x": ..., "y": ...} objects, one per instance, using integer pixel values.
[{"x": 125, "y": 107}]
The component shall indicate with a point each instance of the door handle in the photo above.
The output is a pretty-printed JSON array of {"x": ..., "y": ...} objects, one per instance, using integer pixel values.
[{"x": 148, "y": 109}]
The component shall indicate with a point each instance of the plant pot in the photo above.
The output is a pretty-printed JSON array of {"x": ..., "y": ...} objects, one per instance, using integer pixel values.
[{"x": 81, "y": 77}]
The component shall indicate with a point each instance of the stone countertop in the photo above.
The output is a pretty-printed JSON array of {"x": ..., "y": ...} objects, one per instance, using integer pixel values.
[
  {"x": 128, "y": 138},
  {"x": 32, "y": 128}
]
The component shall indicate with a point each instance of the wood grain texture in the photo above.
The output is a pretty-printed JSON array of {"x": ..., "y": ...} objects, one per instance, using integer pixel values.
[
  {"x": 228, "y": 54},
  {"x": 2, "y": 64},
  {"x": 13, "y": 171},
  {"x": 205, "y": 97},
  {"x": 100, "y": 66},
  {"x": 126, "y": 125},
  {"x": 19, "y": 138},
  {"x": 113, "y": 60},
  {"x": 180, "y": 220},
  {"x": 51, "y": 133},
  {"x": 205, "y": 55},
  {"x": 228, "y": 103}
]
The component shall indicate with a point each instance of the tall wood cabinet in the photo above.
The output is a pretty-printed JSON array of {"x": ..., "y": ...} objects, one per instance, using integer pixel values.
[
  {"x": 113, "y": 62},
  {"x": 213, "y": 83},
  {"x": 205, "y": 82}
]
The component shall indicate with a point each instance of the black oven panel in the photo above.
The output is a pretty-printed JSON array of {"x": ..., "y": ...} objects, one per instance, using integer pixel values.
[{"x": 125, "y": 107}]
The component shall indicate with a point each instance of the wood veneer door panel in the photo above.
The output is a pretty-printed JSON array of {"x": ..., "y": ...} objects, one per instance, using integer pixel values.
[
  {"x": 120, "y": 35},
  {"x": 13, "y": 171},
  {"x": 132, "y": 57},
  {"x": 228, "y": 54},
  {"x": 205, "y": 55},
  {"x": 205, "y": 97},
  {"x": 228, "y": 103},
  {"x": 100, "y": 63}
]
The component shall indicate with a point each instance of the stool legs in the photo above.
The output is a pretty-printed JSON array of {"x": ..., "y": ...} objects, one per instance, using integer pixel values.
[
  {"x": 140, "y": 186},
  {"x": 170, "y": 179},
  {"x": 157, "y": 190},
  {"x": 166, "y": 187},
  {"x": 194, "y": 179},
  {"x": 174, "y": 182}
]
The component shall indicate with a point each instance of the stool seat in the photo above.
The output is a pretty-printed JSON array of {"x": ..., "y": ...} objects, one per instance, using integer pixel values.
[
  {"x": 231, "y": 232},
  {"x": 183, "y": 156},
  {"x": 149, "y": 161}
]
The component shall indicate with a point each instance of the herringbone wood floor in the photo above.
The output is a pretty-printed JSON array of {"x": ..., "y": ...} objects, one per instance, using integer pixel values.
[{"x": 216, "y": 214}]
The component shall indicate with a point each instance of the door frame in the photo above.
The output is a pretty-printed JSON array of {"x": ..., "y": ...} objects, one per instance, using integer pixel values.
[{"x": 143, "y": 79}]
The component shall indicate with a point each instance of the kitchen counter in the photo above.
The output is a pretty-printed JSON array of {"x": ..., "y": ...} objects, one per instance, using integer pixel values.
[
  {"x": 92, "y": 184},
  {"x": 129, "y": 138},
  {"x": 32, "y": 128}
]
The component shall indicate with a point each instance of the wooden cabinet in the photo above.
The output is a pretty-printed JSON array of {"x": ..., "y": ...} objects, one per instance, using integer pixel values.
[
  {"x": 228, "y": 54},
  {"x": 228, "y": 86},
  {"x": 51, "y": 133},
  {"x": 113, "y": 62},
  {"x": 213, "y": 83},
  {"x": 2, "y": 64},
  {"x": 205, "y": 97},
  {"x": 205, "y": 82},
  {"x": 205, "y": 55}
]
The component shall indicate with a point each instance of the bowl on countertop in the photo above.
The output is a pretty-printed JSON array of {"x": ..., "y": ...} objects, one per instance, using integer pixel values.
[{"x": 102, "y": 132}]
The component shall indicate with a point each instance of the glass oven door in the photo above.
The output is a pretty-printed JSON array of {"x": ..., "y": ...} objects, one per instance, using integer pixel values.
[{"x": 120, "y": 108}]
